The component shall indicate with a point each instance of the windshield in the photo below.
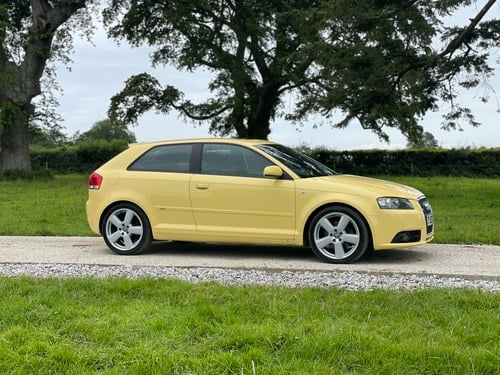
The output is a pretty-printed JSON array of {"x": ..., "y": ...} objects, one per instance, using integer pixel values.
[{"x": 301, "y": 164}]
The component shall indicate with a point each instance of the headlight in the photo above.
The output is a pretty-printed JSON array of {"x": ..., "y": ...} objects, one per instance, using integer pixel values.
[{"x": 394, "y": 203}]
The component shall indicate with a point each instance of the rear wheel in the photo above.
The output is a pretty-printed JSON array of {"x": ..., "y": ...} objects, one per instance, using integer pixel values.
[
  {"x": 126, "y": 229},
  {"x": 338, "y": 234}
]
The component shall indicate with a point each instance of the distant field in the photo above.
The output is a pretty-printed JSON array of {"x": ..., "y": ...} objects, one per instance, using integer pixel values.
[{"x": 467, "y": 210}]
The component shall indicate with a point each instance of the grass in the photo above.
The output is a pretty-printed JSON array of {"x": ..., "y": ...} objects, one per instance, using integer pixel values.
[
  {"x": 466, "y": 209},
  {"x": 44, "y": 208},
  {"x": 118, "y": 326}
]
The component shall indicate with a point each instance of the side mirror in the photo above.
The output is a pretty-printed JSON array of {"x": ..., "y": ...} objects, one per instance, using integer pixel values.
[{"x": 273, "y": 171}]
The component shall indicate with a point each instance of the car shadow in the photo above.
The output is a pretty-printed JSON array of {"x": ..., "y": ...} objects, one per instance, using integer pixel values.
[
  {"x": 269, "y": 252},
  {"x": 396, "y": 256},
  {"x": 179, "y": 248}
]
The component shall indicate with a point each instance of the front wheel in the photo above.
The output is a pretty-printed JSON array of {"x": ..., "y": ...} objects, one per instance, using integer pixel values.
[
  {"x": 338, "y": 234},
  {"x": 126, "y": 229}
]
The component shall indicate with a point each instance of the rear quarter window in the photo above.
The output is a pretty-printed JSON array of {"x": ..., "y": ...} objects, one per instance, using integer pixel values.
[{"x": 167, "y": 158}]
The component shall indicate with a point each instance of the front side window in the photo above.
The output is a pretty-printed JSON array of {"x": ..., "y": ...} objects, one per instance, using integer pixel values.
[
  {"x": 301, "y": 164},
  {"x": 232, "y": 160},
  {"x": 167, "y": 158}
]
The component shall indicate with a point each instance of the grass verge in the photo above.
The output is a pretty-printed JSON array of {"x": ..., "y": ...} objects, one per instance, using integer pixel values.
[{"x": 119, "y": 326}]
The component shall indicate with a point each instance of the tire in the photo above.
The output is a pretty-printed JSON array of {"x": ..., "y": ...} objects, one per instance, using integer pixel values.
[
  {"x": 338, "y": 234},
  {"x": 126, "y": 229}
]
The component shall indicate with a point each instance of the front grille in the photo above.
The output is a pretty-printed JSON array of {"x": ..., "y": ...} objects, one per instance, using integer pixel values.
[{"x": 429, "y": 216}]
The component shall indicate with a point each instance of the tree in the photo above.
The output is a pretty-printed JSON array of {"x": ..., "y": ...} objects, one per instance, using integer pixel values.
[
  {"x": 107, "y": 130},
  {"x": 32, "y": 33},
  {"x": 46, "y": 138},
  {"x": 373, "y": 61},
  {"x": 426, "y": 141}
]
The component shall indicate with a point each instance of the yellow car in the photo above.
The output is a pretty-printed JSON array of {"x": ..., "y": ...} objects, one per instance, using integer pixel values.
[{"x": 249, "y": 191}]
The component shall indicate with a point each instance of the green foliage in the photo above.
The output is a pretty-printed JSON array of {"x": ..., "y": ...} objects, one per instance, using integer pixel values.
[
  {"x": 8, "y": 113},
  {"x": 46, "y": 138},
  {"x": 82, "y": 157},
  {"x": 118, "y": 326},
  {"x": 421, "y": 162},
  {"x": 107, "y": 130},
  {"x": 426, "y": 141},
  {"x": 374, "y": 62},
  {"x": 254, "y": 47}
]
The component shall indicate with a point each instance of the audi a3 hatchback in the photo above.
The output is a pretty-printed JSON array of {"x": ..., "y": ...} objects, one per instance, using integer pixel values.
[{"x": 253, "y": 192}]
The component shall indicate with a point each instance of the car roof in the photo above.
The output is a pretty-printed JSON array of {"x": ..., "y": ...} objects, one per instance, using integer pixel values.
[{"x": 239, "y": 141}]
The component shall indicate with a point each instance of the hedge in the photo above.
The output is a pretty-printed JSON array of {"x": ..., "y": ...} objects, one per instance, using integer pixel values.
[
  {"x": 81, "y": 158},
  {"x": 85, "y": 157},
  {"x": 435, "y": 162}
]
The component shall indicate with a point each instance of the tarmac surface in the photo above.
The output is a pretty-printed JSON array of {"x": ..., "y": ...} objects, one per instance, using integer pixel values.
[{"x": 474, "y": 262}]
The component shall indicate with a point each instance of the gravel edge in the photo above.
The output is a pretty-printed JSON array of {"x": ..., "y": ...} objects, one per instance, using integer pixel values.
[{"x": 351, "y": 281}]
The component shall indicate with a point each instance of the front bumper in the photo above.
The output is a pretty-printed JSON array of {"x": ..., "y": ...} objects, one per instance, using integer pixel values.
[{"x": 393, "y": 229}]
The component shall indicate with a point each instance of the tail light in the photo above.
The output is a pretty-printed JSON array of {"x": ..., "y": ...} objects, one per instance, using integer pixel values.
[{"x": 95, "y": 181}]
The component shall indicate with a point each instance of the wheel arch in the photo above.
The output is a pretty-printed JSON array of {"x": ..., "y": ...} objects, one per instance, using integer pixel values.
[{"x": 305, "y": 229}]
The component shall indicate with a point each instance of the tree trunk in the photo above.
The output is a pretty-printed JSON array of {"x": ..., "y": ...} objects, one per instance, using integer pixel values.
[
  {"x": 20, "y": 81},
  {"x": 14, "y": 141},
  {"x": 259, "y": 130},
  {"x": 259, "y": 122}
]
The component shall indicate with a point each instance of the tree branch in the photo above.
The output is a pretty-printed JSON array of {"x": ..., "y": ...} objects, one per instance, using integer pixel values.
[
  {"x": 462, "y": 37},
  {"x": 46, "y": 19},
  {"x": 185, "y": 110}
]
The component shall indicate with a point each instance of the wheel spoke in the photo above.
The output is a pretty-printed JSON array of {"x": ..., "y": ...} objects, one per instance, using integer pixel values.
[
  {"x": 323, "y": 242},
  {"x": 128, "y": 242},
  {"x": 326, "y": 225},
  {"x": 339, "y": 250},
  {"x": 343, "y": 223},
  {"x": 115, "y": 236},
  {"x": 351, "y": 238},
  {"x": 115, "y": 220},
  {"x": 136, "y": 230},
  {"x": 129, "y": 216}
]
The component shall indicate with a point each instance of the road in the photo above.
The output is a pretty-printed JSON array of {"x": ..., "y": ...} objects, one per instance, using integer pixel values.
[{"x": 465, "y": 261}]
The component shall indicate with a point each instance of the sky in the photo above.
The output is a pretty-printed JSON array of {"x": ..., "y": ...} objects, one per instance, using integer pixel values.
[{"x": 100, "y": 68}]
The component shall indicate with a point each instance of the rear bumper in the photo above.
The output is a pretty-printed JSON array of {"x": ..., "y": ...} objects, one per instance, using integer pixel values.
[{"x": 93, "y": 213}]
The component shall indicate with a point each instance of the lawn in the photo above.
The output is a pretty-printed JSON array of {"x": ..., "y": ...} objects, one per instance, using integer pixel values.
[
  {"x": 44, "y": 208},
  {"x": 466, "y": 209},
  {"x": 118, "y": 326}
]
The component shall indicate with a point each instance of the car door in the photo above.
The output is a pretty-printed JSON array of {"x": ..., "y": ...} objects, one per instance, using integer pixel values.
[
  {"x": 159, "y": 180},
  {"x": 233, "y": 201}
]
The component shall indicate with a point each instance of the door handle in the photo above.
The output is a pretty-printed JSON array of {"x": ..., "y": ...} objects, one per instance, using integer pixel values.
[{"x": 201, "y": 186}]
